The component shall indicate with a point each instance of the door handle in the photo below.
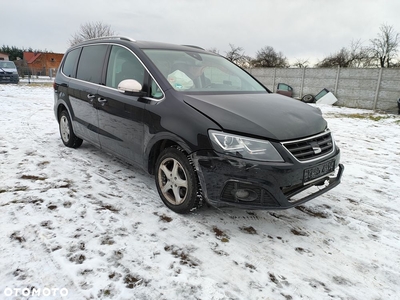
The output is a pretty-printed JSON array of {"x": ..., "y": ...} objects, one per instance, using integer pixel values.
[
  {"x": 90, "y": 97},
  {"x": 102, "y": 101}
]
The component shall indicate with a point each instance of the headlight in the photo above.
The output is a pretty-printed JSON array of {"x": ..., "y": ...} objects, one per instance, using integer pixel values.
[{"x": 244, "y": 147}]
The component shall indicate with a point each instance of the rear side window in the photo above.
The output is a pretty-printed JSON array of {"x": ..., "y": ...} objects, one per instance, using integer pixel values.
[
  {"x": 91, "y": 63},
  {"x": 70, "y": 62}
]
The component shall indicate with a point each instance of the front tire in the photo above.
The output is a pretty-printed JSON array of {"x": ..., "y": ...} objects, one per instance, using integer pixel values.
[
  {"x": 176, "y": 181},
  {"x": 67, "y": 134}
]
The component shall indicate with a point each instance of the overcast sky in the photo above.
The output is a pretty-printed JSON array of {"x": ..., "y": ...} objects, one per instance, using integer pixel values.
[{"x": 300, "y": 29}]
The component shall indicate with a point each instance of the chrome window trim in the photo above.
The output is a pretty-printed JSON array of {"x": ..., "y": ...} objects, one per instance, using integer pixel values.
[{"x": 116, "y": 44}]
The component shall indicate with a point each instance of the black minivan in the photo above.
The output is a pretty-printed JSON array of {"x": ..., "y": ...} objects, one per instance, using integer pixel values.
[{"x": 205, "y": 128}]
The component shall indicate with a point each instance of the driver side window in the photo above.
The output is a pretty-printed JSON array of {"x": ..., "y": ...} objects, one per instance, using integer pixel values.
[{"x": 122, "y": 65}]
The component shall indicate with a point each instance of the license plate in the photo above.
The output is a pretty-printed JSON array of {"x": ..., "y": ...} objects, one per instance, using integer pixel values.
[{"x": 318, "y": 171}]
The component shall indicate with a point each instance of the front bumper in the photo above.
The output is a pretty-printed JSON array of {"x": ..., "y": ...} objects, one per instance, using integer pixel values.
[
  {"x": 229, "y": 181},
  {"x": 9, "y": 78}
]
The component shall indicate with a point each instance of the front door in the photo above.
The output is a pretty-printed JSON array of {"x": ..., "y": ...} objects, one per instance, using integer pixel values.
[{"x": 121, "y": 115}]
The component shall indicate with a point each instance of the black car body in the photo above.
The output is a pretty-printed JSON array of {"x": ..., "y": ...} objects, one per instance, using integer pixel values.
[
  {"x": 8, "y": 72},
  {"x": 204, "y": 127}
]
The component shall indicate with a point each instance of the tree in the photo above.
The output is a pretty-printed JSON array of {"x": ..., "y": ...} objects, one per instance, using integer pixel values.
[
  {"x": 267, "y": 57},
  {"x": 213, "y": 50},
  {"x": 90, "y": 31},
  {"x": 356, "y": 56},
  {"x": 237, "y": 56},
  {"x": 339, "y": 59},
  {"x": 385, "y": 47},
  {"x": 301, "y": 63},
  {"x": 13, "y": 52}
]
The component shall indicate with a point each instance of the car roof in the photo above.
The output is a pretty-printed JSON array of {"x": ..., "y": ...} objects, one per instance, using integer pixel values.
[{"x": 140, "y": 44}]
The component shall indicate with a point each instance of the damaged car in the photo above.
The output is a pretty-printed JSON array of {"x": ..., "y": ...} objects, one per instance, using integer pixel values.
[
  {"x": 206, "y": 130},
  {"x": 323, "y": 97}
]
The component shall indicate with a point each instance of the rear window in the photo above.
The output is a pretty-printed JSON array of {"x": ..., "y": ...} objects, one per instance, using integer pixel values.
[{"x": 70, "y": 62}]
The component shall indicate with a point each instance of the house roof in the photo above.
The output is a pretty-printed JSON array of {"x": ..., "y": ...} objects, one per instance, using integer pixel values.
[{"x": 30, "y": 57}]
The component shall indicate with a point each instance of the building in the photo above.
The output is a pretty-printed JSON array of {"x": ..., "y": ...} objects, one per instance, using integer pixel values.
[
  {"x": 43, "y": 64},
  {"x": 3, "y": 56}
]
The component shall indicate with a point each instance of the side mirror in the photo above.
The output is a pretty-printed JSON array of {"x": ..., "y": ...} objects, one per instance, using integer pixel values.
[{"x": 130, "y": 86}]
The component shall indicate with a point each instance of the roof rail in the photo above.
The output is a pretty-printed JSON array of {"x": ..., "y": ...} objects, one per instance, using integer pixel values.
[
  {"x": 124, "y": 38},
  {"x": 193, "y": 46}
]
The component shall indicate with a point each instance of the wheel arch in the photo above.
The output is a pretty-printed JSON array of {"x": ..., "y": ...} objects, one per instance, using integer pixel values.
[
  {"x": 153, "y": 152},
  {"x": 60, "y": 108}
]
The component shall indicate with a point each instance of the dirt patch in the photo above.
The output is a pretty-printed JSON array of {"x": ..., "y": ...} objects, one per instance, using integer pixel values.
[
  {"x": 33, "y": 177},
  {"x": 107, "y": 207},
  {"x": 20, "y": 274},
  {"x": 47, "y": 224},
  {"x": 77, "y": 258},
  {"x": 107, "y": 240},
  {"x": 313, "y": 212},
  {"x": 299, "y": 232},
  {"x": 273, "y": 278},
  {"x": 164, "y": 217},
  {"x": 250, "y": 266},
  {"x": 115, "y": 276},
  {"x": 222, "y": 236},
  {"x": 16, "y": 236},
  {"x": 185, "y": 258},
  {"x": 132, "y": 281},
  {"x": 52, "y": 207},
  {"x": 249, "y": 230}
]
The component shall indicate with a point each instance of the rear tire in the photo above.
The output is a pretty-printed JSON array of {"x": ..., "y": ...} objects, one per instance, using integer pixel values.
[
  {"x": 67, "y": 134},
  {"x": 176, "y": 181}
]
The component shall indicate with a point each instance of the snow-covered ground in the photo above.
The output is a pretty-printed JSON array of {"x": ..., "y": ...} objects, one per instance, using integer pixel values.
[{"x": 82, "y": 224}]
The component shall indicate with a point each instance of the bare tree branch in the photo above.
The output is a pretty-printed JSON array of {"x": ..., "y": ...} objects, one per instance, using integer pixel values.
[
  {"x": 354, "y": 57},
  {"x": 90, "y": 31},
  {"x": 384, "y": 48},
  {"x": 237, "y": 56},
  {"x": 301, "y": 63},
  {"x": 267, "y": 57}
]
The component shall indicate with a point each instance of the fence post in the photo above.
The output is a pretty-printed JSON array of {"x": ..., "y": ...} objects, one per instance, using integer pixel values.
[
  {"x": 378, "y": 85},
  {"x": 273, "y": 82},
  {"x": 337, "y": 80},
  {"x": 302, "y": 82}
]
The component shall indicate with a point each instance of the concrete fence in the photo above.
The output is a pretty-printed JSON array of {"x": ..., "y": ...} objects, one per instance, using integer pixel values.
[{"x": 375, "y": 89}]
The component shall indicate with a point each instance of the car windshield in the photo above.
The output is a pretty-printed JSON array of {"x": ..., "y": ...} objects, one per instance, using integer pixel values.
[
  {"x": 192, "y": 71},
  {"x": 7, "y": 64}
]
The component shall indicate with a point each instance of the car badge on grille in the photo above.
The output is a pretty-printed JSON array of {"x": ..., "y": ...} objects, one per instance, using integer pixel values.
[{"x": 316, "y": 148}]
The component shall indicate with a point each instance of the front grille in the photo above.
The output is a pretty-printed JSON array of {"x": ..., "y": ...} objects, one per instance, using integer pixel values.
[{"x": 311, "y": 148}]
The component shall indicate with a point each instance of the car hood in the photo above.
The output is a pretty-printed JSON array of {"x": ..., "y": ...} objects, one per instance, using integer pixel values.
[
  {"x": 266, "y": 115},
  {"x": 9, "y": 70}
]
